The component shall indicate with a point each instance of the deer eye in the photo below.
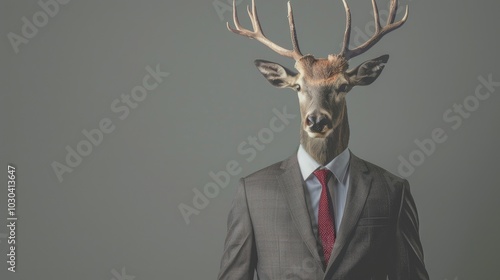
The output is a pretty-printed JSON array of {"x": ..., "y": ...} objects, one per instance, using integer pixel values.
[
  {"x": 343, "y": 88},
  {"x": 296, "y": 87}
]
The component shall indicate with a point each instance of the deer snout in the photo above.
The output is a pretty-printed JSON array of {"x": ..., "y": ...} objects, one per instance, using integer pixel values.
[{"x": 318, "y": 123}]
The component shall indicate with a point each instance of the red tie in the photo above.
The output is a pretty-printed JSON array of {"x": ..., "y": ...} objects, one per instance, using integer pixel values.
[{"x": 326, "y": 224}]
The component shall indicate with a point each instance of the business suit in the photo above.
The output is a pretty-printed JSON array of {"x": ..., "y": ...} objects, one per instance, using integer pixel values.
[{"x": 269, "y": 228}]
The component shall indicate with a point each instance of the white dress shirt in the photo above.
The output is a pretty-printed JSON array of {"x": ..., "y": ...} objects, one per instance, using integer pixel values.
[{"x": 337, "y": 184}]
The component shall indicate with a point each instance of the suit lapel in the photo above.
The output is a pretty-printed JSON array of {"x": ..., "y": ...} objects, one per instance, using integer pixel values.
[
  {"x": 292, "y": 185},
  {"x": 359, "y": 186}
]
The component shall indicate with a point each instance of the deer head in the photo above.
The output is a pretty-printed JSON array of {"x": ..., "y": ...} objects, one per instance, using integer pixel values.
[{"x": 322, "y": 83}]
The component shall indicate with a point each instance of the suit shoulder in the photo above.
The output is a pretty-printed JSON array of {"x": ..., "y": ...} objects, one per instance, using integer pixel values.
[
  {"x": 270, "y": 171},
  {"x": 380, "y": 174},
  {"x": 261, "y": 183}
]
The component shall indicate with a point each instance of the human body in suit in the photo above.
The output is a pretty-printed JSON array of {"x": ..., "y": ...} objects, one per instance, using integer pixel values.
[{"x": 270, "y": 232}]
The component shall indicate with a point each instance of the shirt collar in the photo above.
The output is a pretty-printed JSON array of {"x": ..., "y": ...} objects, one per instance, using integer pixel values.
[{"x": 338, "y": 166}]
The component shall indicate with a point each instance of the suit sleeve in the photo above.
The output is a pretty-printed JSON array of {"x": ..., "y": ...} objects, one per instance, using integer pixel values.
[
  {"x": 239, "y": 258},
  {"x": 408, "y": 256}
]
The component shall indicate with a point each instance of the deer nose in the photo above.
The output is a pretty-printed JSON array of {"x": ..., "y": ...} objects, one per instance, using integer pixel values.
[{"x": 317, "y": 122}]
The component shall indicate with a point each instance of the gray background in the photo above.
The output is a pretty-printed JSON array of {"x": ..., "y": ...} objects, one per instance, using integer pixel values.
[{"x": 119, "y": 207}]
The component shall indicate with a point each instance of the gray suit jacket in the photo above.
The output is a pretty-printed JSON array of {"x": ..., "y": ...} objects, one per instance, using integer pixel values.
[{"x": 269, "y": 228}]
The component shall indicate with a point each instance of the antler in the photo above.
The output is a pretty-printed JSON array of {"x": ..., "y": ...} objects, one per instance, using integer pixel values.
[
  {"x": 258, "y": 35},
  {"x": 379, "y": 31}
]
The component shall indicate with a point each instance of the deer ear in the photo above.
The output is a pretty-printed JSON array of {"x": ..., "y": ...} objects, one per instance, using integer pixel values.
[
  {"x": 276, "y": 74},
  {"x": 367, "y": 72}
]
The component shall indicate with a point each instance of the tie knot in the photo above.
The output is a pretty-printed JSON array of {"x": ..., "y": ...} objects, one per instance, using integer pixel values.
[{"x": 323, "y": 176}]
